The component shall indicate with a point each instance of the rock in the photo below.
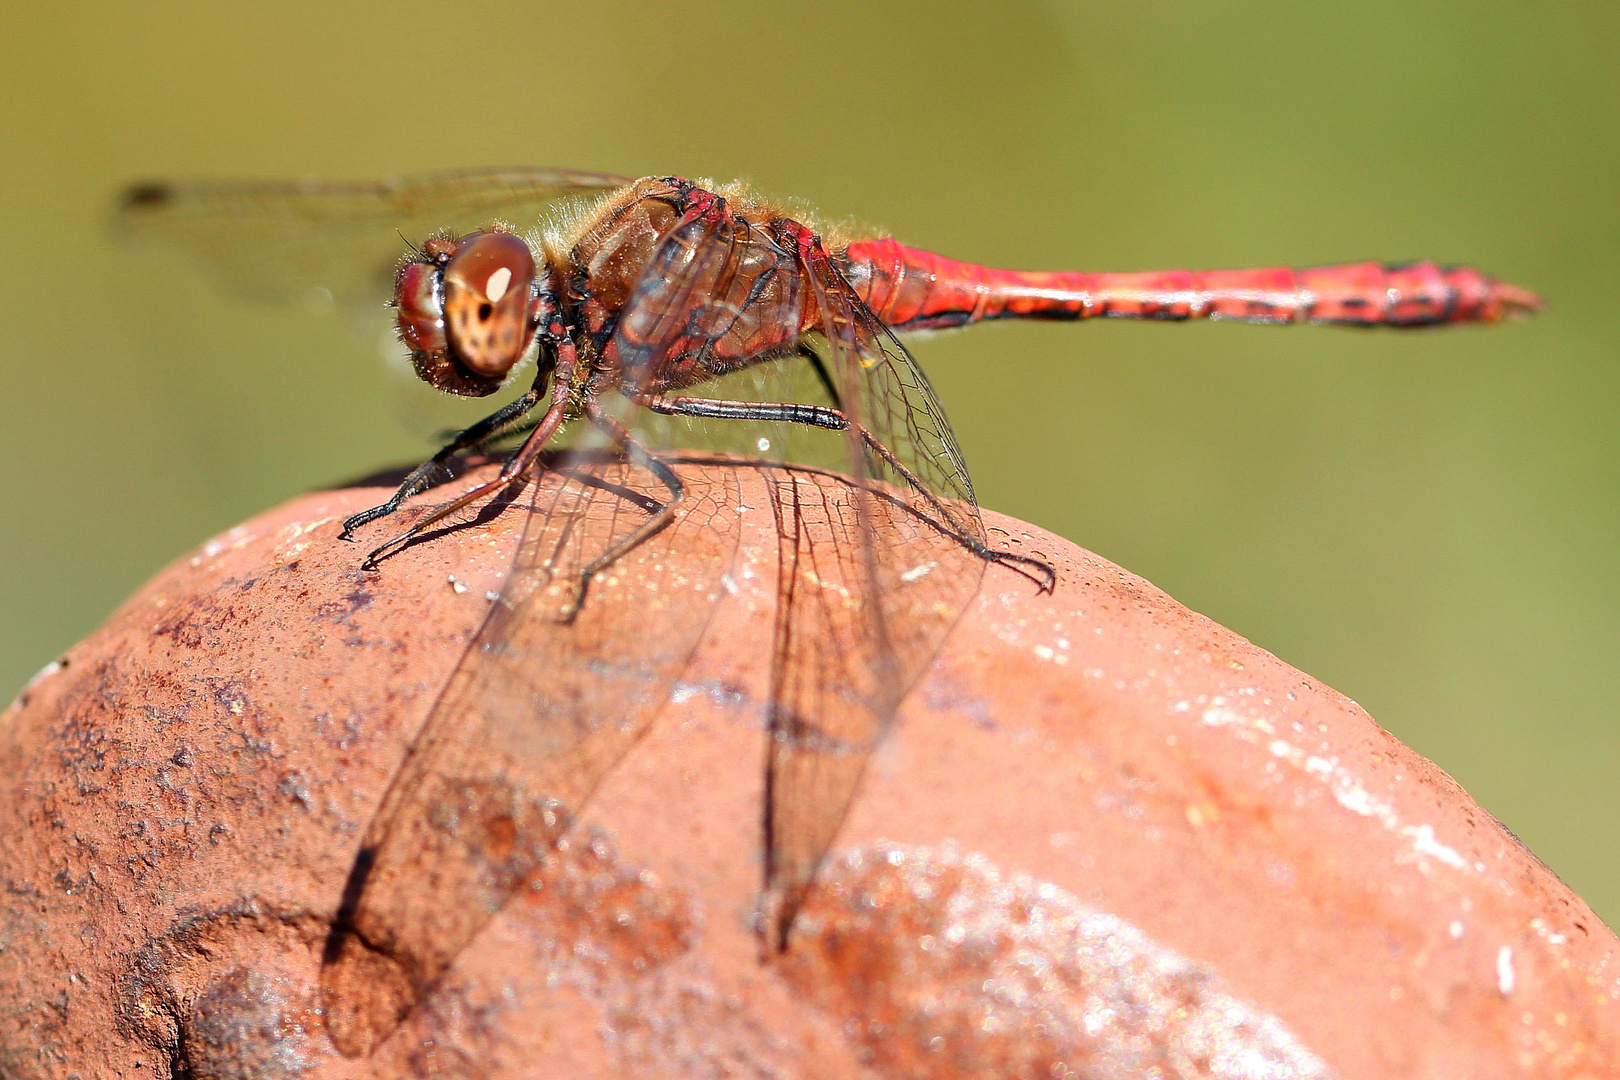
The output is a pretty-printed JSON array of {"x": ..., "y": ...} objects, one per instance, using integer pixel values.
[{"x": 1105, "y": 835}]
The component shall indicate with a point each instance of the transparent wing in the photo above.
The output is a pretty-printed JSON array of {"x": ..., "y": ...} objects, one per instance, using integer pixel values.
[
  {"x": 873, "y": 574},
  {"x": 887, "y": 392},
  {"x": 876, "y": 562},
  {"x": 545, "y": 701},
  {"x": 281, "y": 240}
]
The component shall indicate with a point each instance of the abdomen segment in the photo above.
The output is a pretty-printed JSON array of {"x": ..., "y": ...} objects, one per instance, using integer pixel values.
[{"x": 912, "y": 289}]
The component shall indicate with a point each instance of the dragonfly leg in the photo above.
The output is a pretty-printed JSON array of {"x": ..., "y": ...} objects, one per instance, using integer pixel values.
[
  {"x": 822, "y": 376},
  {"x": 515, "y": 468},
  {"x": 660, "y": 518},
  {"x": 790, "y": 412},
  {"x": 478, "y": 433}
]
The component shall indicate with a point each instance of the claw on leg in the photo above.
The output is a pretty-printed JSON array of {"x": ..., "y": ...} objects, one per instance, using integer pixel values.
[
  {"x": 365, "y": 517},
  {"x": 515, "y": 470},
  {"x": 1043, "y": 573},
  {"x": 398, "y": 543},
  {"x": 473, "y": 437}
]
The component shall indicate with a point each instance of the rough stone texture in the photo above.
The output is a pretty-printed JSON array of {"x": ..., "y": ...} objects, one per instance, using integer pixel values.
[{"x": 1106, "y": 836}]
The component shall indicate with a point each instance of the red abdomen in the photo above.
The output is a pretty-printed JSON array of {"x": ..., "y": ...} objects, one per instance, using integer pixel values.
[{"x": 910, "y": 289}]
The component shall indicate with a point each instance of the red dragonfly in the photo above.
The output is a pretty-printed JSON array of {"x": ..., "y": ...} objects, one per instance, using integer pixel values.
[{"x": 664, "y": 314}]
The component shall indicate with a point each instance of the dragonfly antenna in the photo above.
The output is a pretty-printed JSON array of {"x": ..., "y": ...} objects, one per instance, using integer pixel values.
[{"x": 410, "y": 245}]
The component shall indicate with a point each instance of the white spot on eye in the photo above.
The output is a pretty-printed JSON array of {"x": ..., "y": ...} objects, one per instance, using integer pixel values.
[
  {"x": 1504, "y": 970},
  {"x": 496, "y": 286}
]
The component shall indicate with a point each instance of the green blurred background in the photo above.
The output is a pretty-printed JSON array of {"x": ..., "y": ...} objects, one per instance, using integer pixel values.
[{"x": 1428, "y": 521}]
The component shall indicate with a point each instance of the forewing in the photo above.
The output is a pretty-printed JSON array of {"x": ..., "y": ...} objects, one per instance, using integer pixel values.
[
  {"x": 281, "y": 240},
  {"x": 545, "y": 701},
  {"x": 886, "y": 390},
  {"x": 873, "y": 574},
  {"x": 874, "y": 567}
]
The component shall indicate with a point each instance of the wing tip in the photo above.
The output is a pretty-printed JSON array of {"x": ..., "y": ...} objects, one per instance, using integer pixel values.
[{"x": 145, "y": 195}]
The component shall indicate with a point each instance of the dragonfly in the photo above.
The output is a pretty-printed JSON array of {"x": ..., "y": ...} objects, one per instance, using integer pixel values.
[{"x": 642, "y": 322}]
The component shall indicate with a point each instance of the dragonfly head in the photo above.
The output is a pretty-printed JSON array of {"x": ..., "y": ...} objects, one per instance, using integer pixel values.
[{"x": 466, "y": 310}]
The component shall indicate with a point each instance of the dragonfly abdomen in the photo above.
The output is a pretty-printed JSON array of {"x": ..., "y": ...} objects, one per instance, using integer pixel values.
[{"x": 911, "y": 289}]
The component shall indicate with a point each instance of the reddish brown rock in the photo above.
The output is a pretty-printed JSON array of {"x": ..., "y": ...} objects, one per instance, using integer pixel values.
[{"x": 1105, "y": 836}]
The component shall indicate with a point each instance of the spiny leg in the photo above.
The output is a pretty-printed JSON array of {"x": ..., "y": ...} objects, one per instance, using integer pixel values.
[
  {"x": 660, "y": 518},
  {"x": 790, "y": 412},
  {"x": 515, "y": 468},
  {"x": 473, "y": 436},
  {"x": 822, "y": 375}
]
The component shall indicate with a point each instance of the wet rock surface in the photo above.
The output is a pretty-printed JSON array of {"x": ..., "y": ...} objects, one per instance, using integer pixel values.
[{"x": 1105, "y": 836}]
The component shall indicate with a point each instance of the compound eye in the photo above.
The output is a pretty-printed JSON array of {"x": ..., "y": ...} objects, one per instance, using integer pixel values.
[
  {"x": 486, "y": 302},
  {"x": 419, "y": 298}
]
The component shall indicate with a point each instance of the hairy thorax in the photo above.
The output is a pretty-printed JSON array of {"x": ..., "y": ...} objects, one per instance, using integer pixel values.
[{"x": 754, "y": 300}]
